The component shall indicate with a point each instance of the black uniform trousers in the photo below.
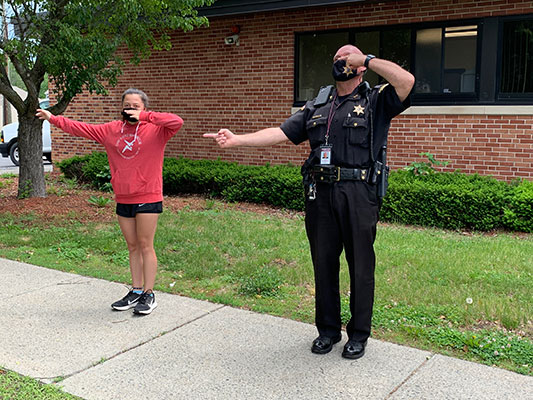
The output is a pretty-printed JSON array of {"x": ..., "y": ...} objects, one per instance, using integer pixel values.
[{"x": 343, "y": 215}]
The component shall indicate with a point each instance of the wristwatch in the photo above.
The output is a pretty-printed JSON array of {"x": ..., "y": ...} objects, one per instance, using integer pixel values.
[{"x": 368, "y": 58}]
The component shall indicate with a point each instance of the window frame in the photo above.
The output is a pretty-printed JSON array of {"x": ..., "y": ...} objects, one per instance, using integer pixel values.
[{"x": 509, "y": 98}]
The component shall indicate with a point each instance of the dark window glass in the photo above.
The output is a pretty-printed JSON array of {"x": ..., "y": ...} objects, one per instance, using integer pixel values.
[
  {"x": 316, "y": 51},
  {"x": 315, "y": 61},
  {"x": 460, "y": 55},
  {"x": 446, "y": 60},
  {"x": 368, "y": 43},
  {"x": 517, "y": 58},
  {"x": 392, "y": 45},
  {"x": 396, "y": 47},
  {"x": 428, "y": 60}
]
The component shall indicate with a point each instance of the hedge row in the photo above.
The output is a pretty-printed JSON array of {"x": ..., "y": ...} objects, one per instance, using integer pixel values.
[
  {"x": 444, "y": 200},
  {"x": 458, "y": 201},
  {"x": 279, "y": 185}
]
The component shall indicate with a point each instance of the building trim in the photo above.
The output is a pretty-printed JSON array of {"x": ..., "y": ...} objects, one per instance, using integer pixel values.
[
  {"x": 234, "y": 7},
  {"x": 462, "y": 110},
  {"x": 469, "y": 110}
]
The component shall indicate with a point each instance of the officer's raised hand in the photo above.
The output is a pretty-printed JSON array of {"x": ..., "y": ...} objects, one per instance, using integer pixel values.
[
  {"x": 355, "y": 61},
  {"x": 399, "y": 78}
]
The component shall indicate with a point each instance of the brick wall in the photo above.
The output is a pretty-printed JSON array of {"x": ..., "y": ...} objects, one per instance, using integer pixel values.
[
  {"x": 501, "y": 146},
  {"x": 249, "y": 87}
]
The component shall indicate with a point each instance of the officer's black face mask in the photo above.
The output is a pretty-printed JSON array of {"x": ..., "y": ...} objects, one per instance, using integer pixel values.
[
  {"x": 128, "y": 117},
  {"x": 341, "y": 72}
]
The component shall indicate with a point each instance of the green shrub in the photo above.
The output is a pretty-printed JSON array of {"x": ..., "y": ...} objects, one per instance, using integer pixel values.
[
  {"x": 278, "y": 185},
  {"x": 196, "y": 176},
  {"x": 458, "y": 201},
  {"x": 425, "y": 167},
  {"x": 96, "y": 170},
  {"x": 92, "y": 168},
  {"x": 72, "y": 168},
  {"x": 444, "y": 200},
  {"x": 518, "y": 213}
]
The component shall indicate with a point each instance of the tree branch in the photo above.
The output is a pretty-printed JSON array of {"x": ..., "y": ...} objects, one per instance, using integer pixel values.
[
  {"x": 25, "y": 75},
  {"x": 38, "y": 71},
  {"x": 61, "y": 105},
  {"x": 9, "y": 93},
  {"x": 20, "y": 23}
]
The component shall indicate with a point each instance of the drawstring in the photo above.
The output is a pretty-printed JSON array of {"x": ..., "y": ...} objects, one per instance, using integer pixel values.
[
  {"x": 129, "y": 145},
  {"x": 136, "y": 130}
]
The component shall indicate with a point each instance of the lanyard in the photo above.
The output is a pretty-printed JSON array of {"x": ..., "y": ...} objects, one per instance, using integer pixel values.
[{"x": 332, "y": 111}]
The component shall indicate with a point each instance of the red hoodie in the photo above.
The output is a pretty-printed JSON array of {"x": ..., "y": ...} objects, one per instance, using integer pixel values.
[{"x": 135, "y": 152}]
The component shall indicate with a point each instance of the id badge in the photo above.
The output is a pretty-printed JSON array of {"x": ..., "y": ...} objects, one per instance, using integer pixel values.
[{"x": 325, "y": 155}]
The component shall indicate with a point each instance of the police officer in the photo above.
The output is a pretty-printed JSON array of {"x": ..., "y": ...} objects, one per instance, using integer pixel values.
[{"x": 347, "y": 130}]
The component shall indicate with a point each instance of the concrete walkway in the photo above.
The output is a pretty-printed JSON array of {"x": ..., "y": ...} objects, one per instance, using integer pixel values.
[{"x": 59, "y": 326}]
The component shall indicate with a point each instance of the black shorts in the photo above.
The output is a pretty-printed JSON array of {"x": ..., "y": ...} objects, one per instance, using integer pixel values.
[{"x": 130, "y": 210}]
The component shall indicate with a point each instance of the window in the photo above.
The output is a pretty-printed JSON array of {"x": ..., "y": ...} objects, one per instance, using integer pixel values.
[
  {"x": 445, "y": 60},
  {"x": 483, "y": 61},
  {"x": 315, "y": 60},
  {"x": 315, "y": 53},
  {"x": 393, "y": 45},
  {"x": 517, "y": 60}
]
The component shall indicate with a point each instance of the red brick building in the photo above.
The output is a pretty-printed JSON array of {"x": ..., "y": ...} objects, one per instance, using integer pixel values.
[{"x": 473, "y": 60}]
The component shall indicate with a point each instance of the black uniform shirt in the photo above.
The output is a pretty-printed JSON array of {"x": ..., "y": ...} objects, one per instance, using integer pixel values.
[{"x": 349, "y": 133}]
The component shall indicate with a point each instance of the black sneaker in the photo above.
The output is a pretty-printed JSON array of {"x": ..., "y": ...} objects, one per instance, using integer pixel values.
[
  {"x": 127, "y": 302},
  {"x": 146, "y": 304}
]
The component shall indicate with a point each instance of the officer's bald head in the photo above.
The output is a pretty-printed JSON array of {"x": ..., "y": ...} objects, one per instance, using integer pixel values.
[{"x": 346, "y": 50}]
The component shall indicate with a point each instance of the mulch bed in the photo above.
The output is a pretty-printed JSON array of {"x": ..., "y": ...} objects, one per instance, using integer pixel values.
[{"x": 63, "y": 201}]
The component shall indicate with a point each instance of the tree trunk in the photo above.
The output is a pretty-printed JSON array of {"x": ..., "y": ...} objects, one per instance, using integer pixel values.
[{"x": 30, "y": 140}]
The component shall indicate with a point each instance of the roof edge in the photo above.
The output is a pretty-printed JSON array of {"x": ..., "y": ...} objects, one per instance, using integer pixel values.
[{"x": 234, "y": 7}]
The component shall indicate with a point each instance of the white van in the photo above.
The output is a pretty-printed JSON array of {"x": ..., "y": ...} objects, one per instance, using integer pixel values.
[{"x": 9, "y": 139}]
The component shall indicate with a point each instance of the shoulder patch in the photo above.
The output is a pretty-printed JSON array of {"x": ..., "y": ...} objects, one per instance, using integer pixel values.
[{"x": 383, "y": 87}]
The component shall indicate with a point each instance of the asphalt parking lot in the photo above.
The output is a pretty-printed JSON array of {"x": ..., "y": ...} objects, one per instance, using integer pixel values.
[{"x": 7, "y": 167}]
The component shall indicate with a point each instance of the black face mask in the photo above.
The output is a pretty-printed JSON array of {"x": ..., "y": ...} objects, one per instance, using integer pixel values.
[
  {"x": 341, "y": 72},
  {"x": 128, "y": 117}
]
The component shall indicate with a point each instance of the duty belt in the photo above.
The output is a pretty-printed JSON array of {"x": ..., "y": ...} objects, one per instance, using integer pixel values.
[{"x": 330, "y": 173}]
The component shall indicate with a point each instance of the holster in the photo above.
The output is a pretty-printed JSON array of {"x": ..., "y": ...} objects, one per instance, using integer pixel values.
[{"x": 380, "y": 177}]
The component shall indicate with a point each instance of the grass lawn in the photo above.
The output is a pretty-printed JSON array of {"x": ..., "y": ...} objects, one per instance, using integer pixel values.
[
  {"x": 16, "y": 387},
  {"x": 466, "y": 295}
]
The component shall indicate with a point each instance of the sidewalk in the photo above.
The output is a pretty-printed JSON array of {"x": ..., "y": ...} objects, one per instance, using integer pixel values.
[{"x": 60, "y": 325}]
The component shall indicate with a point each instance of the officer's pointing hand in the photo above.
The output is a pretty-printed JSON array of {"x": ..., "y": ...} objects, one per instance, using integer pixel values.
[{"x": 224, "y": 138}]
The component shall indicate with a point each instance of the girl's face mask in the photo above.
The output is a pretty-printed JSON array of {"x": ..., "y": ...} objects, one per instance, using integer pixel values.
[{"x": 128, "y": 117}]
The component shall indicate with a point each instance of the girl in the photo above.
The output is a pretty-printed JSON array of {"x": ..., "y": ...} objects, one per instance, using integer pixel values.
[{"x": 135, "y": 148}]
